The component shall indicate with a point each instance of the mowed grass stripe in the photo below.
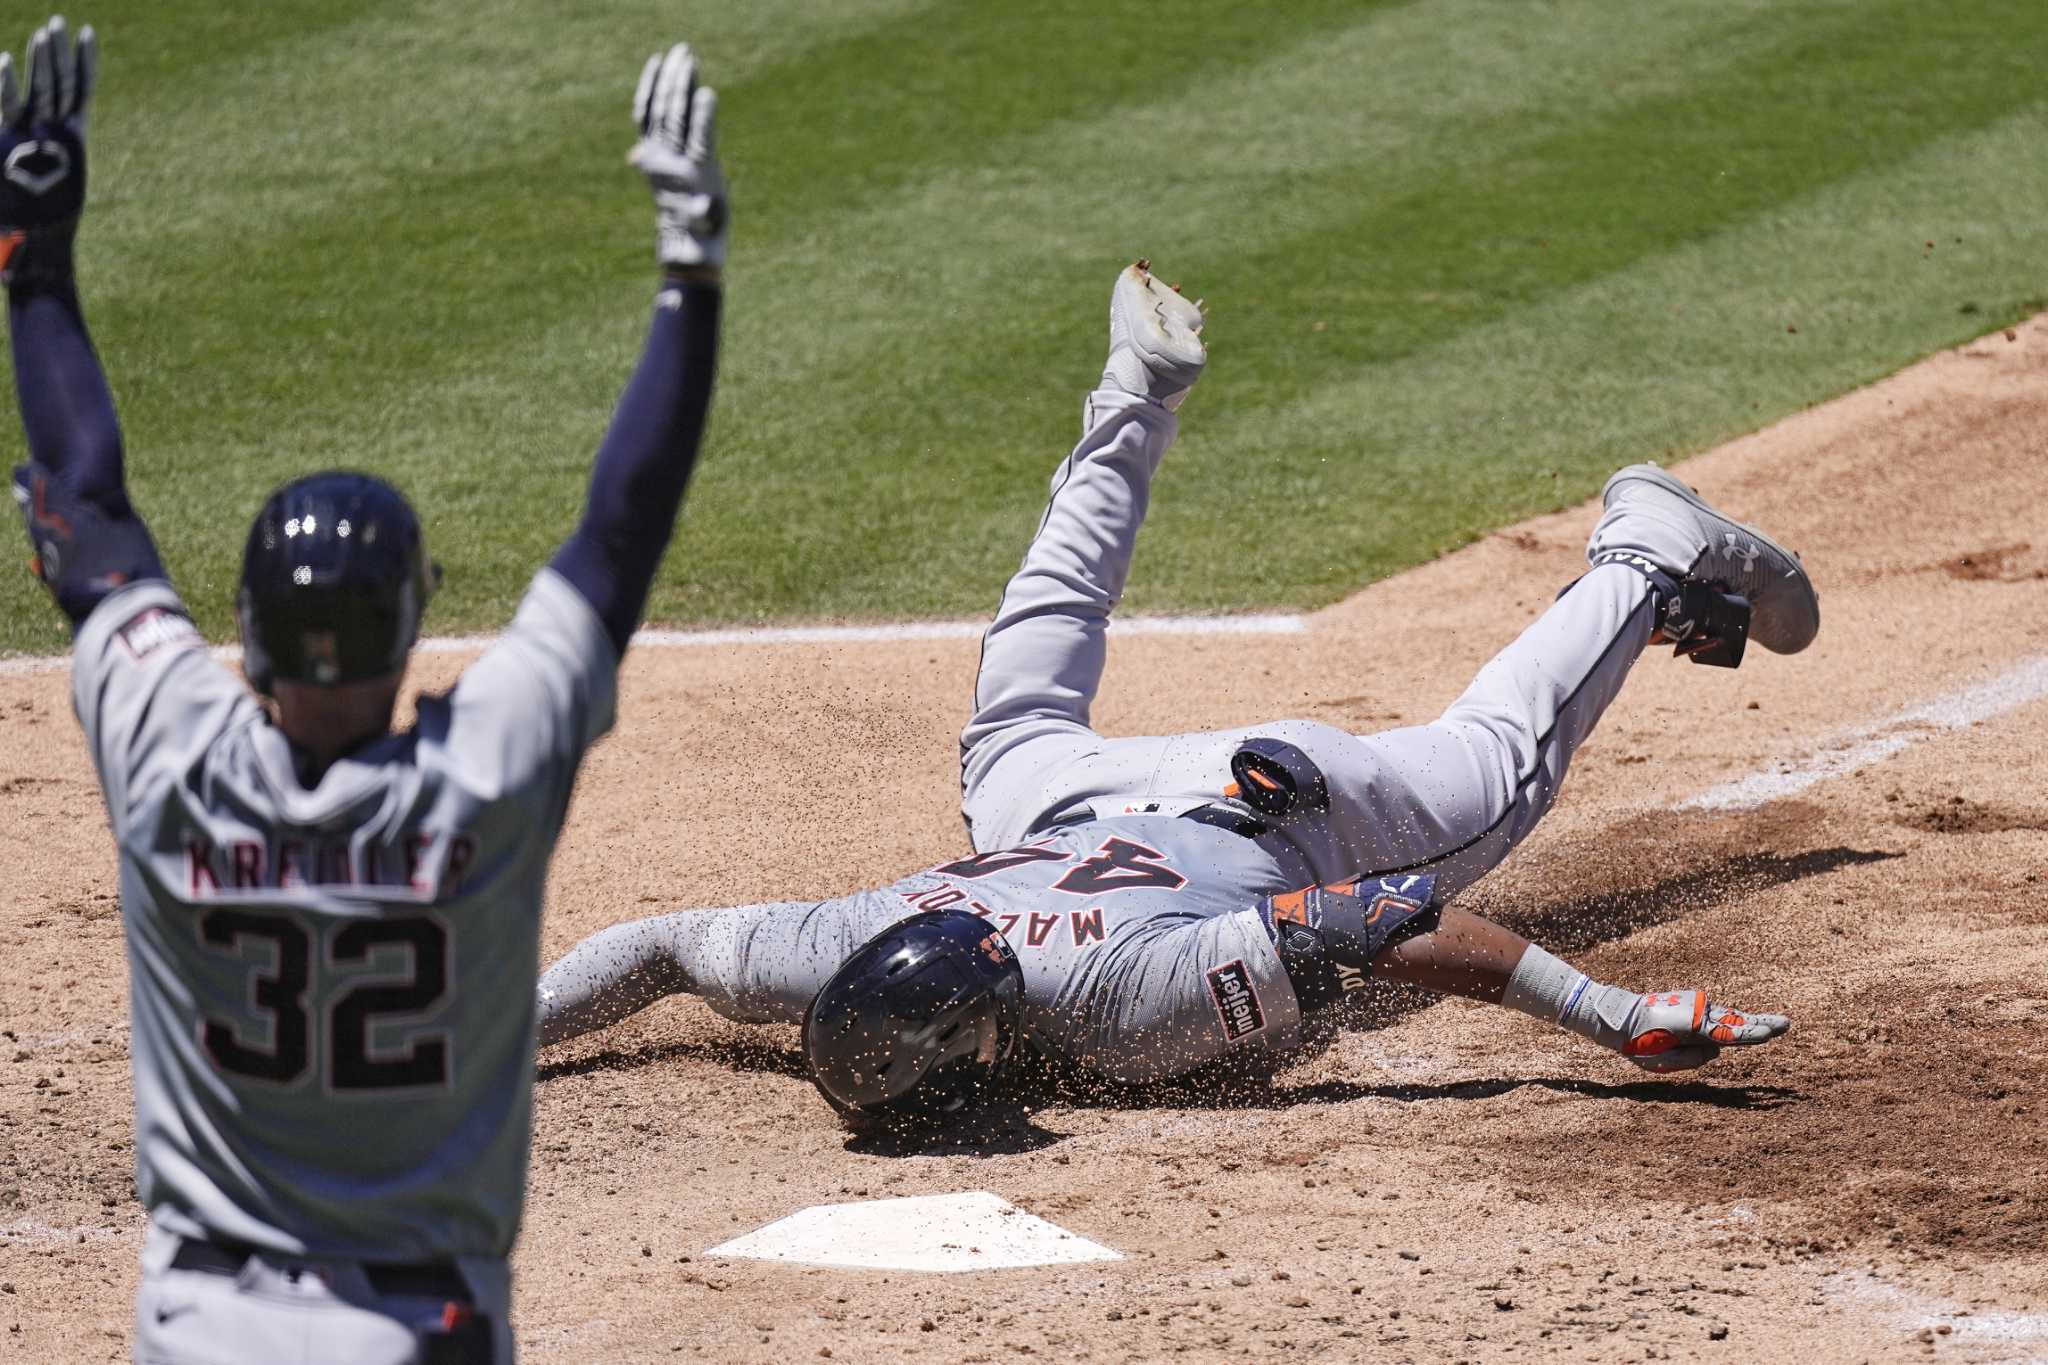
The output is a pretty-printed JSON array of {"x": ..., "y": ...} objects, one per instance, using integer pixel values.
[
  {"x": 1530, "y": 412},
  {"x": 905, "y": 353},
  {"x": 1531, "y": 208},
  {"x": 280, "y": 365},
  {"x": 1009, "y": 265},
  {"x": 250, "y": 119}
]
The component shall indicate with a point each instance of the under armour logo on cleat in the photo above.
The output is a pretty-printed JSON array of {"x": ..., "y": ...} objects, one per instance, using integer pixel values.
[{"x": 1748, "y": 553}]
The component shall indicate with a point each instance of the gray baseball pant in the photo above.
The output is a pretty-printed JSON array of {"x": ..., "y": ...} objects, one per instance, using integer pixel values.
[
  {"x": 291, "y": 1310},
  {"x": 1451, "y": 797}
]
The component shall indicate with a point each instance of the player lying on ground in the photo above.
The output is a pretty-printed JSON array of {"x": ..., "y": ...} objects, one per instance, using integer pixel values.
[
  {"x": 331, "y": 928},
  {"x": 1147, "y": 907}
]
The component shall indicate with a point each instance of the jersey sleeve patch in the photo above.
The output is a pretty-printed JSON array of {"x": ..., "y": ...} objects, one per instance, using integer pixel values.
[
  {"x": 156, "y": 628},
  {"x": 1237, "y": 1001}
]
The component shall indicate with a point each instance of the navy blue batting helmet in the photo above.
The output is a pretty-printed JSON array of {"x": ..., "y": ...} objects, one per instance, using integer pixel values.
[
  {"x": 919, "y": 1023},
  {"x": 335, "y": 578}
]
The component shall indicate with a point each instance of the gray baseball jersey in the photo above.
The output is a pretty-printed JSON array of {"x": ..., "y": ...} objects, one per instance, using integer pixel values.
[
  {"x": 325, "y": 1058},
  {"x": 1143, "y": 952}
]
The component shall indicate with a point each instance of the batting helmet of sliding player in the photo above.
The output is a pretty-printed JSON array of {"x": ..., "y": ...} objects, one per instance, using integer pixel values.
[{"x": 918, "y": 1024}]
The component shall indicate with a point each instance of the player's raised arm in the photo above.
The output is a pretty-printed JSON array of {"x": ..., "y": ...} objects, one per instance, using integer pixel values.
[
  {"x": 644, "y": 464},
  {"x": 86, "y": 536}
]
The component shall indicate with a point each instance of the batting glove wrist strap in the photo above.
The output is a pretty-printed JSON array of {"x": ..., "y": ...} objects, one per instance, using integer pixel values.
[
  {"x": 1556, "y": 992},
  {"x": 38, "y": 261}
]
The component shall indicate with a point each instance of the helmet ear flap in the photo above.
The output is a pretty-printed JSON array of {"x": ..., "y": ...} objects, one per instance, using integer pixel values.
[{"x": 255, "y": 662}]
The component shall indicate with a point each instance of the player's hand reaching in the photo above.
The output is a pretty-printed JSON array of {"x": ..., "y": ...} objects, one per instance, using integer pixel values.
[
  {"x": 42, "y": 152},
  {"x": 1681, "y": 1030},
  {"x": 678, "y": 153}
]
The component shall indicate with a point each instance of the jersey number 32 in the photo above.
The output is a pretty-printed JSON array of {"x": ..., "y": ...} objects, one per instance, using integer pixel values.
[{"x": 365, "y": 993}]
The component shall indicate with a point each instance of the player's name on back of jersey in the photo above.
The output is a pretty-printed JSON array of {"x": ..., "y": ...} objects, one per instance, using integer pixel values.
[{"x": 419, "y": 866}]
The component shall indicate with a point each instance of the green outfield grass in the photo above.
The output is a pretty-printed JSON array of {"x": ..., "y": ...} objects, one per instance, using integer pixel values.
[{"x": 1462, "y": 259}]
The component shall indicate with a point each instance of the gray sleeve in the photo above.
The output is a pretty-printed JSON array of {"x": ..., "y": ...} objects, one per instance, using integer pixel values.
[
  {"x": 147, "y": 692},
  {"x": 758, "y": 964},
  {"x": 543, "y": 693},
  {"x": 614, "y": 973},
  {"x": 1184, "y": 995}
]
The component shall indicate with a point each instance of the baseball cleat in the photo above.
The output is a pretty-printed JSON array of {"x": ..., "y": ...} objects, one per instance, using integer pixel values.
[
  {"x": 1652, "y": 514},
  {"x": 1155, "y": 341}
]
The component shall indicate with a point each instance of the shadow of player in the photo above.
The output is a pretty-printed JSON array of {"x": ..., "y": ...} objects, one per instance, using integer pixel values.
[
  {"x": 1248, "y": 1093},
  {"x": 754, "y": 1052}
]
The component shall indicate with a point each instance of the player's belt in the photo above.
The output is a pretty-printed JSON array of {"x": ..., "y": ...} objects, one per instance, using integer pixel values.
[
  {"x": 1224, "y": 817},
  {"x": 427, "y": 1281}
]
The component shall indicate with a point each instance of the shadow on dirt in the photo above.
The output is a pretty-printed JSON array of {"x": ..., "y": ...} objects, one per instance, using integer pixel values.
[
  {"x": 1010, "y": 1129},
  {"x": 738, "y": 1052},
  {"x": 1591, "y": 918},
  {"x": 1249, "y": 1095},
  {"x": 1584, "y": 922},
  {"x": 998, "y": 1130}
]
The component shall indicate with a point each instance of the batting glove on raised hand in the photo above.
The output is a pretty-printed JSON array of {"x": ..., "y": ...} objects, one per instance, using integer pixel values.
[
  {"x": 1680, "y": 1030},
  {"x": 678, "y": 153},
  {"x": 42, "y": 154}
]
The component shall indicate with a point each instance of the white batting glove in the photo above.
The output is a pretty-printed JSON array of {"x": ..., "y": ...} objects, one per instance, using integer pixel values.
[
  {"x": 678, "y": 153},
  {"x": 1679, "y": 1030},
  {"x": 1660, "y": 1031}
]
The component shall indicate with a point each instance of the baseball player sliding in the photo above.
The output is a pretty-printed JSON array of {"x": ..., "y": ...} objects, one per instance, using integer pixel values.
[
  {"x": 1147, "y": 908},
  {"x": 332, "y": 928}
]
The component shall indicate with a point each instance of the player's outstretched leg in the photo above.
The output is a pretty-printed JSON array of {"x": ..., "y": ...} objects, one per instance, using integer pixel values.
[
  {"x": 1651, "y": 515},
  {"x": 1023, "y": 752},
  {"x": 1455, "y": 796}
]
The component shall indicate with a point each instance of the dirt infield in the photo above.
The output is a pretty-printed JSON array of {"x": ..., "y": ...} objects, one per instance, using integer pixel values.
[{"x": 1456, "y": 1184}]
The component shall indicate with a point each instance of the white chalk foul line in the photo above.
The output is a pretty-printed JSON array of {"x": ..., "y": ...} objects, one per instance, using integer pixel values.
[
  {"x": 1850, "y": 750},
  {"x": 2019, "y": 1336},
  {"x": 1269, "y": 623}
]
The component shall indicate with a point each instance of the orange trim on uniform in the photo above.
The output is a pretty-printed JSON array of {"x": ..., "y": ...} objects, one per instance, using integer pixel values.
[{"x": 1292, "y": 905}]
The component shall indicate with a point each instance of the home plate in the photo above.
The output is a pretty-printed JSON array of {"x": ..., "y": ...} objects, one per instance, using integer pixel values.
[{"x": 939, "y": 1232}]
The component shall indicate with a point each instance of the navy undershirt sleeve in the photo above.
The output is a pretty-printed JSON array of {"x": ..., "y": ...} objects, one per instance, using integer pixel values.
[
  {"x": 637, "y": 483},
  {"x": 88, "y": 539},
  {"x": 67, "y": 409}
]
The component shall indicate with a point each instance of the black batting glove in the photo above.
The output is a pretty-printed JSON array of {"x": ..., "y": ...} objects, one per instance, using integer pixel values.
[{"x": 42, "y": 155}]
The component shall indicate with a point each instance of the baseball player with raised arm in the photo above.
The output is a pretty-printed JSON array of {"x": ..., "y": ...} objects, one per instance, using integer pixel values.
[
  {"x": 333, "y": 929},
  {"x": 1146, "y": 908}
]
